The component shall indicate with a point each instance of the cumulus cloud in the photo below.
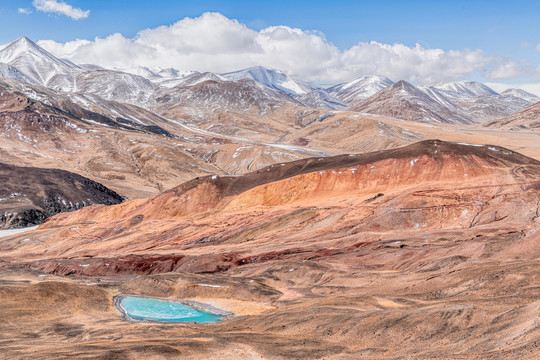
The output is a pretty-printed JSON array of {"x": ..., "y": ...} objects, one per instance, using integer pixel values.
[
  {"x": 24, "y": 11},
  {"x": 509, "y": 70},
  {"x": 415, "y": 64},
  {"x": 60, "y": 7},
  {"x": 212, "y": 42}
]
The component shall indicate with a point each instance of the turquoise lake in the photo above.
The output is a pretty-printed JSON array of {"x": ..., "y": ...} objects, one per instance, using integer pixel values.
[{"x": 165, "y": 311}]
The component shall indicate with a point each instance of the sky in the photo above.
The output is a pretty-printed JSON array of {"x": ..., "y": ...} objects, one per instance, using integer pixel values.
[{"x": 496, "y": 42}]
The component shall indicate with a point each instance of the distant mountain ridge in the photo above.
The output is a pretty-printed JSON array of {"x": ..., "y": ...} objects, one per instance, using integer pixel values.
[
  {"x": 451, "y": 102},
  {"x": 359, "y": 89},
  {"x": 405, "y": 101},
  {"x": 273, "y": 79}
]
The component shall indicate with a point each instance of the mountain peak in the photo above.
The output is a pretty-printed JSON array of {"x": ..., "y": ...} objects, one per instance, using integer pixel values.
[
  {"x": 19, "y": 46},
  {"x": 35, "y": 62},
  {"x": 405, "y": 87},
  {"x": 403, "y": 83},
  {"x": 405, "y": 101},
  {"x": 26, "y": 40},
  {"x": 272, "y": 78},
  {"x": 368, "y": 79},
  {"x": 520, "y": 93},
  {"x": 359, "y": 89},
  {"x": 24, "y": 46},
  {"x": 465, "y": 88}
]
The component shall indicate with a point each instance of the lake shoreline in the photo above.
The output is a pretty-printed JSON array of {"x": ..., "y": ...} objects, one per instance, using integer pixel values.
[{"x": 117, "y": 302}]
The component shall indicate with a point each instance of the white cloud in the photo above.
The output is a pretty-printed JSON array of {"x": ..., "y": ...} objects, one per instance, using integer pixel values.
[
  {"x": 24, "y": 11},
  {"x": 415, "y": 64},
  {"x": 212, "y": 42},
  {"x": 65, "y": 50},
  {"x": 60, "y": 7},
  {"x": 510, "y": 70}
]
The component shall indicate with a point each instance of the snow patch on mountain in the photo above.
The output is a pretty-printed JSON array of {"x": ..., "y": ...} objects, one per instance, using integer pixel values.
[
  {"x": 273, "y": 79},
  {"x": 463, "y": 89},
  {"x": 521, "y": 94},
  {"x": 359, "y": 89},
  {"x": 479, "y": 100},
  {"x": 320, "y": 99},
  {"x": 8, "y": 71}
]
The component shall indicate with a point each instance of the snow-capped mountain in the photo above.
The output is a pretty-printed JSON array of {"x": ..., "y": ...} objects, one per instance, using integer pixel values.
[
  {"x": 168, "y": 77},
  {"x": 405, "y": 101},
  {"x": 450, "y": 94},
  {"x": 274, "y": 79},
  {"x": 462, "y": 101},
  {"x": 528, "y": 118},
  {"x": 187, "y": 78},
  {"x": 141, "y": 71},
  {"x": 478, "y": 99},
  {"x": 36, "y": 63},
  {"x": 521, "y": 94},
  {"x": 79, "y": 108},
  {"x": 213, "y": 95},
  {"x": 196, "y": 78},
  {"x": 359, "y": 89},
  {"x": 115, "y": 85},
  {"x": 26, "y": 61},
  {"x": 320, "y": 99},
  {"x": 464, "y": 89}
]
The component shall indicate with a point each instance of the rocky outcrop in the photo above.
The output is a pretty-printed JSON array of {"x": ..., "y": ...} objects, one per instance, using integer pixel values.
[{"x": 30, "y": 195}]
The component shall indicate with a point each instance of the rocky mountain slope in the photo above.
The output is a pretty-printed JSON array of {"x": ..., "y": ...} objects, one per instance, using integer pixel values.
[
  {"x": 479, "y": 101},
  {"x": 419, "y": 187},
  {"x": 134, "y": 151},
  {"x": 272, "y": 79},
  {"x": 29, "y": 195},
  {"x": 527, "y": 119},
  {"x": 210, "y": 96},
  {"x": 359, "y": 89},
  {"x": 403, "y": 100},
  {"x": 321, "y": 99}
]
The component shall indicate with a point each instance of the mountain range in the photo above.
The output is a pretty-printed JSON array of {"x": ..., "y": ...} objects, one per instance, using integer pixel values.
[{"x": 463, "y": 102}]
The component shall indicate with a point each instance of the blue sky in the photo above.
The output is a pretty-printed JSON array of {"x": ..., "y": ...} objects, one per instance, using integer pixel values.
[{"x": 502, "y": 29}]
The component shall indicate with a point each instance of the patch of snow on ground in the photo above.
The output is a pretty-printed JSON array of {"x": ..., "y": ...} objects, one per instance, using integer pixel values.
[
  {"x": 214, "y": 286},
  {"x": 467, "y": 144},
  {"x": 16, "y": 231}
]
